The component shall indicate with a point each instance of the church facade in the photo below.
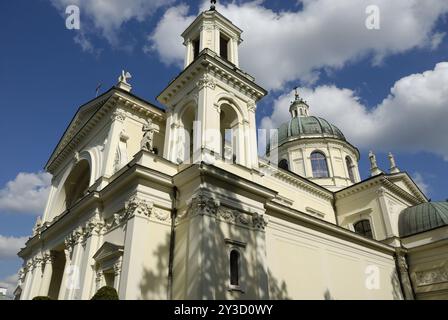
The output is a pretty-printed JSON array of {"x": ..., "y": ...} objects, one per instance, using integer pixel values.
[{"x": 176, "y": 203}]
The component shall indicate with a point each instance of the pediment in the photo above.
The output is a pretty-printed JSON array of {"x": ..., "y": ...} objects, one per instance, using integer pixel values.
[
  {"x": 108, "y": 251},
  {"x": 405, "y": 182}
]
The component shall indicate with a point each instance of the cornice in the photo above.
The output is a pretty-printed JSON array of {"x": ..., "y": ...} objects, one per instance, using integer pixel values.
[
  {"x": 380, "y": 180},
  {"x": 209, "y": 61},
  {"x": 298, "y": 181},
  {"x": 306, "y": 139},
  {"x": 330, "y": 228}
]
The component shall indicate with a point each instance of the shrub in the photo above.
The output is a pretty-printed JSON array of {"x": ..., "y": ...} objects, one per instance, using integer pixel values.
[
  {"x": 106, "y": 293},
  {"x": 42, "y": 298}
]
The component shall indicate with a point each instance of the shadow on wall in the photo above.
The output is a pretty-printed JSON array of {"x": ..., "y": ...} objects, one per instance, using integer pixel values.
[
  {"x": 396, "y": 287},
  {"x": 215, "y": 267},
  {"x": 327, "y": 295},
  {"x": 154, "y": 283}
]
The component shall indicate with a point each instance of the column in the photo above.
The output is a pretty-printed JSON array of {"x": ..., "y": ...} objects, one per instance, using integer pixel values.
[
  {"x": 47, "y": 263},
  {"x": 37, "y": 277},
  {"x": 117, "y": 273},
  {"x": 92, "y": 240},
  {"x": 118, "y": 118},
  {"x": 63, "y": 289},
  {"x": 403, "y": 273},
  {"x": 252, "y": 108},
  {"x": 27, "y": 282}
]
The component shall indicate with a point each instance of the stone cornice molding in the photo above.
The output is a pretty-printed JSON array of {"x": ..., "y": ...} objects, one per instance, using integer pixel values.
[
  {"x": 209, "y": 62},
  {"x": 299, "y": 182},
  {"x": 306, "y": 140},
  {"x": 385, "y": 185},
  {"x": 329, "y": 228}
]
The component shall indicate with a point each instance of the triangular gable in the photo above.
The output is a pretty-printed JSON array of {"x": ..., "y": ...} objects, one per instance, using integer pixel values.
[
  {"x": 84, "y": 113},
  {"x": 405, "y": 182}
]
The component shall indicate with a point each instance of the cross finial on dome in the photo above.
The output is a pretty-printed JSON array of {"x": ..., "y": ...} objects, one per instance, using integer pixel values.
[
  {"x": 212, "y": 7},
  {"x": 296, "y": 93}
]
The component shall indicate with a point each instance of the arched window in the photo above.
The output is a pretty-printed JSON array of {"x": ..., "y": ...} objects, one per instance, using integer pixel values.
[
  {"x": 283, "y": 164},
  {"x": 186, "y": 135},
  {"x": 350, "y": 167},
  {"x": 229, "y": 127},
  {"x": 234, "y": 268},
  {"x": 77, "y": 183},
  {"x": 319, "y": 165},
  {"x": 363, "y": 228}
]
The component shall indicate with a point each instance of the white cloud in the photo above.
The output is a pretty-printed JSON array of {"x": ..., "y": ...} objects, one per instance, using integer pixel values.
[
  {"x": 10, "y": 283},
  {"x": 421, "y": 183},
  {"x": 27, "y": 193},
  {"x": 10, "y": 246},
  {"x": 166, "y": 39},
  {"x": 290, "y": 45},
  {"x": 412, "y": 118},
  {"x": 106, "y": 17}
]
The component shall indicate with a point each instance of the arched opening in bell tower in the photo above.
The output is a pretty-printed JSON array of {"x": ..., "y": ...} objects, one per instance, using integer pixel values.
[
  {"x": 186, "y": 135},
  {"x": 230, "y": 130}
]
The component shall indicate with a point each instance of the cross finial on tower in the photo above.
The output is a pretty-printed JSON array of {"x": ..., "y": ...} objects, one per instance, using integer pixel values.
[
  {"x": 296, "y": 93},
  {"x": 212, "y": 7}
]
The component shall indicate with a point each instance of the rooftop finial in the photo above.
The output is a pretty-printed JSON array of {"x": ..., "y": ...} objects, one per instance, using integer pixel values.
[
  {"x": 212, "y": 7},
  {"x": 296, "y": 93}
]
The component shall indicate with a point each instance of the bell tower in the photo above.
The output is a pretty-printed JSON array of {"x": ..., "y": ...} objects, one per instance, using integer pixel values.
[
  {"x": 211, "y": 104},
  {"x": 212, "y": 31}
]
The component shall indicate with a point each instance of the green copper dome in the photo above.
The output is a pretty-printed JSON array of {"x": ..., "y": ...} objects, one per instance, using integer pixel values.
[
  {"x": 309, "y": 126},
  {"x": 423, "y": 217}
]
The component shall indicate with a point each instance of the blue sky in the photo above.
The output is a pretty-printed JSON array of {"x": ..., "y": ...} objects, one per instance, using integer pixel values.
[{"x": 46, "y": 73}]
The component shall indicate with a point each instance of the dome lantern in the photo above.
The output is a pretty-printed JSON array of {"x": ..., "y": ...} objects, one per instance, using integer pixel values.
[{"x": 299, "y": 107}]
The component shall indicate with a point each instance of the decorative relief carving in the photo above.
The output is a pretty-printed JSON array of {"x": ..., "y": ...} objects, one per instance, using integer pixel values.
[
  {"x": 148, "y": 136},
  {"x": 203, "y": 204},
  {"x": 21, "y": 275},
  {"x": 117, "y": 266},
  {"x": 433, "y": 276},
  {"x": 252, "y": 107},
  {"x": 206, "y": 82},
  {"x": 118, "y": 115},
  {"x": 206, "y": 205},
  {"x": 136, "y": 206},
  {"x": 233, "y": 216},
  {"x": 258, "y": 221}
]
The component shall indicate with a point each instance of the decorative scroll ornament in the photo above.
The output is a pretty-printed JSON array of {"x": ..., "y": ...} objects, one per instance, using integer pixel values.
[
  {"x": 118, "y": 115},
  {"x": 137, "y": 207},
  {"x": 252, "y": 107},
  {"x": 258, "y": 221},
  {"x": 117, "y": 267},
  {"x": 21, "y": 275},
  {"x": 206, "y": 82},
  {"x": 233, "y": 216},
  {"x": 202, "y": 204},
  {"x": 93, "y": 226}
]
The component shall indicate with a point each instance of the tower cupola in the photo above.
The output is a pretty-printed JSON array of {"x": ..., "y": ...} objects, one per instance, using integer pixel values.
[{"x": 211, "y": 30}]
